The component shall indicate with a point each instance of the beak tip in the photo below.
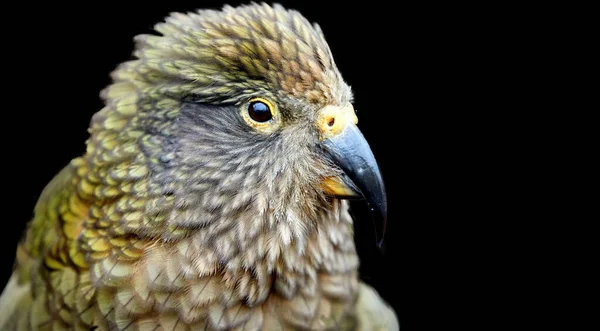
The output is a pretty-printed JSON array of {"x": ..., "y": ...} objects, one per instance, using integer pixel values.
[
  {"x": 380, "y": 246},
  {"x": 379, "y": 214}
]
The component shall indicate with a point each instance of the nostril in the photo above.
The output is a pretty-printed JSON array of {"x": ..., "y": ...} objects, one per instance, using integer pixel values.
[{"x": 331, "y": 122}]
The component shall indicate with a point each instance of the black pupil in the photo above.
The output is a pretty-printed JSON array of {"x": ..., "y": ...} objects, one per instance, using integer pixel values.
[{"x": 259, "y": 111}]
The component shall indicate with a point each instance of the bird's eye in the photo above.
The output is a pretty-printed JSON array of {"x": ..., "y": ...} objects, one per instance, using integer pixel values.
[
  {"x": 260, "y": 111},
  {"x": 261, "y": 114}
]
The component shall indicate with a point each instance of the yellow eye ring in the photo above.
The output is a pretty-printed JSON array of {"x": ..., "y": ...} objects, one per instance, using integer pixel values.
[{"x": 261, "y": 114}]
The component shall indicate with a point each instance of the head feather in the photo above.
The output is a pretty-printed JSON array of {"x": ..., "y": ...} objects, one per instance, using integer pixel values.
[{"x": 223, "y": 56}]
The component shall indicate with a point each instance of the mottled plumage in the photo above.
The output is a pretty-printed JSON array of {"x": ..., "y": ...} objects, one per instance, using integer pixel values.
[{"x": 184, "y": 215}]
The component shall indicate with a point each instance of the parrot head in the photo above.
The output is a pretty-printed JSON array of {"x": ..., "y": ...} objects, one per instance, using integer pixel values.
[{"x": 239, "y": 115}]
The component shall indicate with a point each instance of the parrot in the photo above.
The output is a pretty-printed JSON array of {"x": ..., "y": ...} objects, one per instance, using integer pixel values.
[{"x": 213, "y": 193}]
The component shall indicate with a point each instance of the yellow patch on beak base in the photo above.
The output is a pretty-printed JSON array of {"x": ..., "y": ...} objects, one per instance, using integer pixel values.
[
  {"x": 334, "y": 186},
  {"x": 332, "y": 120}
]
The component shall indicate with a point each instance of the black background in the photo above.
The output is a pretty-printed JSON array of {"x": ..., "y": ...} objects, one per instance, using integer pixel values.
[{"x": 425, "y": 80}]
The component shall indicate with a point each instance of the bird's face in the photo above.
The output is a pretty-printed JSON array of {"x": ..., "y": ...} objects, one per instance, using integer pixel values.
[
  {"x": 264, "y": 125},
  {"x": 278, "y": 153}
]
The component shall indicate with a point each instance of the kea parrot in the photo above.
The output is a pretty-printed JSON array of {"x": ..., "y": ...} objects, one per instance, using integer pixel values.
[{"x": 213, "y": 192}]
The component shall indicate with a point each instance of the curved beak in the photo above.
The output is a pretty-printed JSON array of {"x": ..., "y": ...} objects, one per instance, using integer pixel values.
[{"x": 349, "y": 150}]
